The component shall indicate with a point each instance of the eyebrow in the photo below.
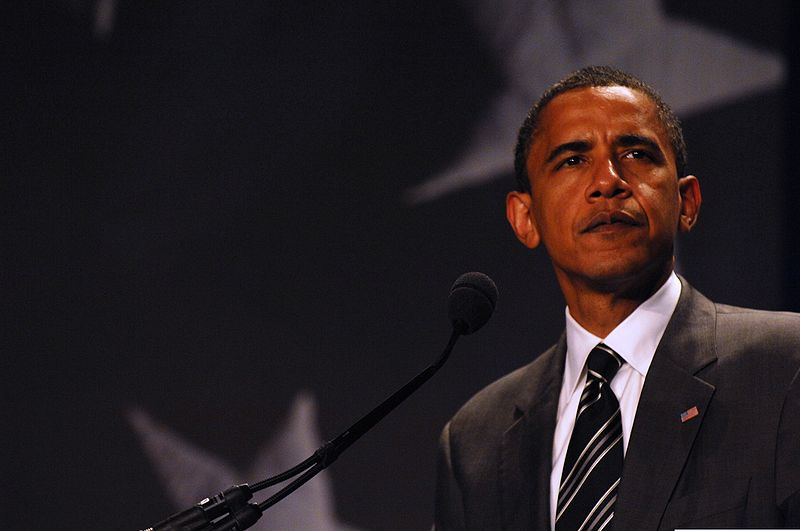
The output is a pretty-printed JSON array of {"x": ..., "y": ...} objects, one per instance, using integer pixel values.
[
  {"x": 579, "y": 146},
  {"x": 638, "y": 140}
]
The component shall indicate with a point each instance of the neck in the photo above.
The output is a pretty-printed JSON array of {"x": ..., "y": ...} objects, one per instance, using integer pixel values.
[{"x": 600, "y": 308}]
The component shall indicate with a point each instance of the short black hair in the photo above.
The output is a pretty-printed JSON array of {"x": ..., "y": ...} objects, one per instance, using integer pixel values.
[{"x": 596, "y": 76}]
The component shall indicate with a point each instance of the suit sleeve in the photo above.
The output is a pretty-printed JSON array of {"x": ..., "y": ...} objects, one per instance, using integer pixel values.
[
  {"x": 788, "y": 457},
  {"x": 449, "y": 506}
]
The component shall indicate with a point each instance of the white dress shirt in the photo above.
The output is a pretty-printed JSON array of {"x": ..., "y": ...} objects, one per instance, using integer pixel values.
[{"x": 635, "y": 339}]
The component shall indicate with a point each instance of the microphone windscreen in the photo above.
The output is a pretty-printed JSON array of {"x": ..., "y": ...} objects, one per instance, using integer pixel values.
[{"x": 471, "y": 302}]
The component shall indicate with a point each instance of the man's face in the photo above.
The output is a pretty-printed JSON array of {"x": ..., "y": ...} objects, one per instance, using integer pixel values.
[{"x": 605, "y": 198}]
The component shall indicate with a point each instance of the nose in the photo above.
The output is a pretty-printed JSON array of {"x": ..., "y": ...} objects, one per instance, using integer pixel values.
[{"x": 607, "y": 182}]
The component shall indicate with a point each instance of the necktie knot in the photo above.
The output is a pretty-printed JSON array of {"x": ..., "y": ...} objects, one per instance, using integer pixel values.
[{"x": 604, "y": 362}]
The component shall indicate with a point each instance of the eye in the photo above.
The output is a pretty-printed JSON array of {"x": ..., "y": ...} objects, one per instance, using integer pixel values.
[
  {"x": 637, "y": 154},
  {"x": 574, "y": 160}
]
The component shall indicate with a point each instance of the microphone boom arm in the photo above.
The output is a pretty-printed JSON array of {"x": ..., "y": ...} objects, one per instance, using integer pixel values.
[
  {"x": 229, "y": 511},
  {"x": 470, "y": 304}
]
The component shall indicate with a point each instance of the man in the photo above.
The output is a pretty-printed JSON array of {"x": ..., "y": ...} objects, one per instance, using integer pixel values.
[{"x": 688, "y": 414}]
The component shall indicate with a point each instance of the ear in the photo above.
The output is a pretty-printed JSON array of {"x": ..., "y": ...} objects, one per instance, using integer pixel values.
[
  {"x": 518, "y": 213},
  {"x": 689, "y": 190}
]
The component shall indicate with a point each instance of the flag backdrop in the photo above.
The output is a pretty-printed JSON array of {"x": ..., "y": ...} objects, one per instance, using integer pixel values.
[{"x": 229, "y": 231}]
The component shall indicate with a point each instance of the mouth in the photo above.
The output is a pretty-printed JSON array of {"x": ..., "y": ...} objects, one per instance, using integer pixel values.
[{"x": 611, "y": 220}]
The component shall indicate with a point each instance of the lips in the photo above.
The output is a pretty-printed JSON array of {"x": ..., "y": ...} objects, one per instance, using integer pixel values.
[{"x": 609, "y": 218}]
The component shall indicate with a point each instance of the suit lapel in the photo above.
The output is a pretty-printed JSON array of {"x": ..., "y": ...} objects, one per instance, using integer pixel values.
[
  {"x": 528, "y": 445},
  {"x": 660, "y": 440}
]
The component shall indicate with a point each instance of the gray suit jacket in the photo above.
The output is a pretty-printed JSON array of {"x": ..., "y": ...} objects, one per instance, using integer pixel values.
[{"x": 735, "y": 465}]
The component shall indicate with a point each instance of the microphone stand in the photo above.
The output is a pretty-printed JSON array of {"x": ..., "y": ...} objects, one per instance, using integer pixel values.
[{"x": 231, "y": 510}]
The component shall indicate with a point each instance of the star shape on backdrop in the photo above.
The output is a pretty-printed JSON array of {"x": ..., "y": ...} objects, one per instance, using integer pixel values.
[
  {"x": 104, "y": 13},
  {"x": 536, "y": 42},
  {"x": 190, "y": 474}
]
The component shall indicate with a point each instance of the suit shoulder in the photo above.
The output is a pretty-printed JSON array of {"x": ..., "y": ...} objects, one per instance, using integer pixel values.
[
  {"x": 759, "y": 342},
  {"x": 769, "y": 316},
  {"x": 500, "y": 392},
  {"x": 495, "y": 403},
  {"x": 748, "y": 324}
]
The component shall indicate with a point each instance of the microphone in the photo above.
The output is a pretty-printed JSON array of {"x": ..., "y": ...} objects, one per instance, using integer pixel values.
[{"x": 470, "y": 304}]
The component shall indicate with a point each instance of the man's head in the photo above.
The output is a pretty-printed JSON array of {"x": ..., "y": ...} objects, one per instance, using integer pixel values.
[
  {"x": 596, "y": 76},
  {"x": 602, "y": 188}
]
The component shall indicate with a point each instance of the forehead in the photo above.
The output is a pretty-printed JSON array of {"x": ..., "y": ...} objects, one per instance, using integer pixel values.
[{"x": 595, "y": 113}]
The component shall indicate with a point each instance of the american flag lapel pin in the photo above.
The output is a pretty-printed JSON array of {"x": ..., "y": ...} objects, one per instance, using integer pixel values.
[{"x": 689, "y": 414}]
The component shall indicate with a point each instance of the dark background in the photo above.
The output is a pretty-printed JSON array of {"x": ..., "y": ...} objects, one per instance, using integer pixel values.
[{"x": 202, "y": 215}]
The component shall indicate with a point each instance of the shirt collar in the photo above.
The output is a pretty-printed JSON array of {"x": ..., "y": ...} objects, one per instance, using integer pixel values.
[{"x": 635, "y": 339}]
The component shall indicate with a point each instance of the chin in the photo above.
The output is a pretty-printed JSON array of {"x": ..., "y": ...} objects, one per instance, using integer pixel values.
[{"x": 627, "y": 275}]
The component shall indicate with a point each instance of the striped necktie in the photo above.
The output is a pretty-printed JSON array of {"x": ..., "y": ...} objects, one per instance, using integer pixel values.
[{"x": 593, "y": 465}]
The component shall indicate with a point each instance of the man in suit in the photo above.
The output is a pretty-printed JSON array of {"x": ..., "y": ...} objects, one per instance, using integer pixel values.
[{"x": 703, "y": 403}]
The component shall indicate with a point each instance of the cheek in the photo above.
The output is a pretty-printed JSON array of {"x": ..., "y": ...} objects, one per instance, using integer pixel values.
[
  {"x": 662, "y": 207},
  {"x": 554, "y": 217}
]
